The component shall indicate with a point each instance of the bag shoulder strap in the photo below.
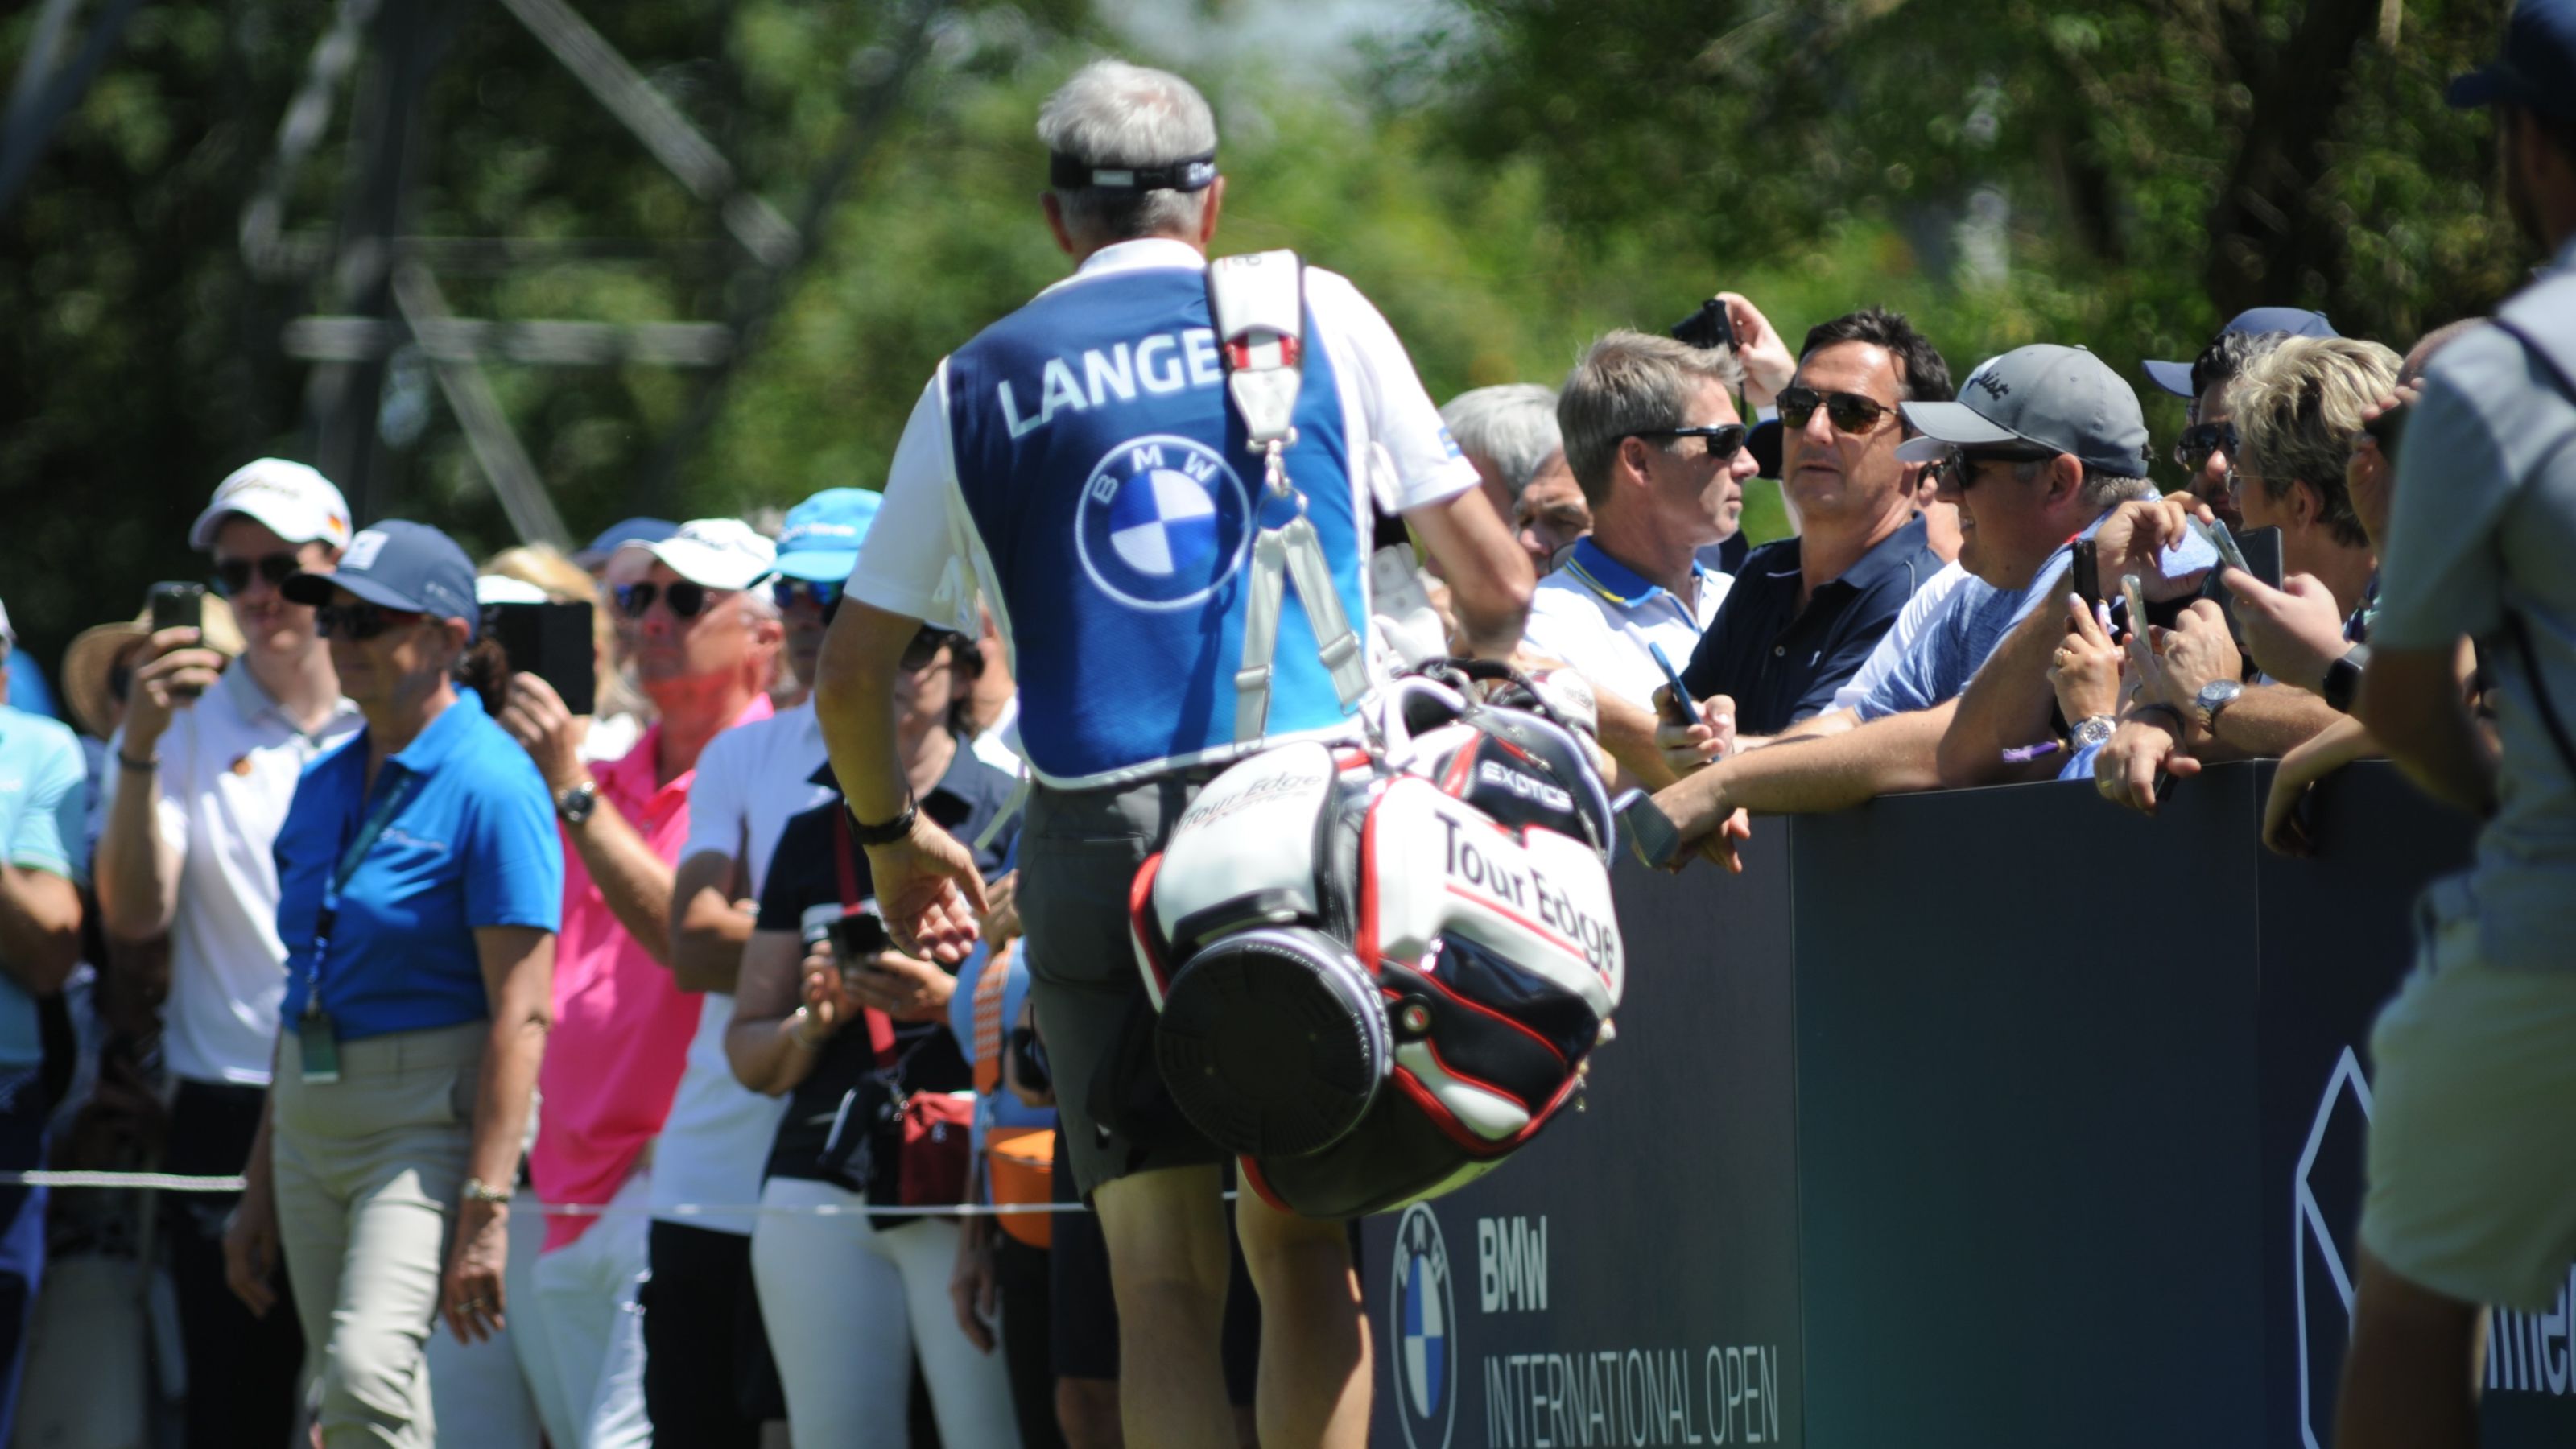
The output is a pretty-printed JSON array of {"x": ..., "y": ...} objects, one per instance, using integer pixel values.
[{"x": 845, "y": 860}]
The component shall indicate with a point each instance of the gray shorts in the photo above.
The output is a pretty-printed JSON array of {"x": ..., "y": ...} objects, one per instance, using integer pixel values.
[{"x": 1079, "y": 850}]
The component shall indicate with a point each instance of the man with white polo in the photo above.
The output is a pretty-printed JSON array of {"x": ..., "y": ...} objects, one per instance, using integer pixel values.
[{"x": 203, "y": 769}]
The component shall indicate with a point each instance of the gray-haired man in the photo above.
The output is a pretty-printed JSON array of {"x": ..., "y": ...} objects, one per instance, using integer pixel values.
[{"x": 1099, "y": 509}]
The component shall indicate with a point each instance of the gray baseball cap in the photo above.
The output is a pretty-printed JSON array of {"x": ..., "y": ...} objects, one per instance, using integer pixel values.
[{"x": 2044, "y": 397}]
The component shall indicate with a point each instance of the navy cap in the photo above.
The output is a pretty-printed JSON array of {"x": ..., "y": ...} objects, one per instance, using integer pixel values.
[
  {"x": 2535, "y": 68},
  {"x": 2175, "y": 377},
  {"x": 621, "y": 533},
  {"x": 399, "y": 565},
  {"x": 1762, "y": 440}
]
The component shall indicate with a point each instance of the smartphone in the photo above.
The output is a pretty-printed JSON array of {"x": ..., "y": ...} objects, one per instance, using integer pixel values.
[
  {"x": 2219, "y": 537},
  {"x": 1681, "y": 696},
  {"x": 1709, "y": 327},
  {"x": 1651, "y": 833},
  {"x": 2087, "y": 571},
  {"x": 2390, "y": 429},
  {"x": 2136, "y": 595},
  {"x": 2261, "y": 548},
  {"x": 178, "y": 606},
  {"x": 858, "y": 936},
  {"x": 553, "y": 642}
]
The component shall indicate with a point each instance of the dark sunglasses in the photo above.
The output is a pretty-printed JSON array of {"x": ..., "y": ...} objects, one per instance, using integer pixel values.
[
  {"x": 687, "y": 600},
  {"x": 232, "y": 575},
  {"x": 359, "y": 622},
  {"x": 1848, "y": 411},
  {"x": 824, "y": 594},
  {"x": 2198, "y": 441},
  {"x": 1725, "y": 440},
  {"x": 1957, "y": 468},
  {"x": 926, "y": 647}
]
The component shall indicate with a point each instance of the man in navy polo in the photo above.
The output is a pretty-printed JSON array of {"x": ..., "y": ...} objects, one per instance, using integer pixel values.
[{"x": 1079, "y": 463}]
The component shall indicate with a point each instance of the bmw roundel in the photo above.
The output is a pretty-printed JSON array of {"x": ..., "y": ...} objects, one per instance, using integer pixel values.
[
  {"x": 1163, "y": 521},
  {"x": 1424, "y": 1311}
]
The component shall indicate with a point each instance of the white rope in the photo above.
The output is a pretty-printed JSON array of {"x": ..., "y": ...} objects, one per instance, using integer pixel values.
[{"x": 173, "y": 1182}]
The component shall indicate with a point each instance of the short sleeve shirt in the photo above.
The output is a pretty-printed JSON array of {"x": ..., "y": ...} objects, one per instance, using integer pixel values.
[
  {"x": 229, "y": 767},
  {"x": 1899, "y": 639},
  {"x": 1957, "y": 640},
  {"x": 1598, "y": 615},
  {"x": 2483, "y": 523},
  {"x": 1782, "y": 664},
  {"x": 42, "y": 781},
  {"x": 470, "y": 842}
]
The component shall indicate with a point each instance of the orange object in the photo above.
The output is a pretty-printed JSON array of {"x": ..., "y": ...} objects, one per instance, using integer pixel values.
[{"x": 1022, "y": 1162}]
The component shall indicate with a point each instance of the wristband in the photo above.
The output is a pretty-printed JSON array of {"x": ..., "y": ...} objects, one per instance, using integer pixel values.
[
  {"x": 891, "y": 831},
  {"x": 476, "y": 1190},
  {"x": 140, "y": 767}
]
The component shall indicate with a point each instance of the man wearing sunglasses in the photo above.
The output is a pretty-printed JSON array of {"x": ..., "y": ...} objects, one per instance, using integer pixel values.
[
  {"x": 2207, "y": 449},
  {"x": 1806, "y": 613},
  {"x": 1653, "y": 437},
  {"x": 205, "y": 767}
]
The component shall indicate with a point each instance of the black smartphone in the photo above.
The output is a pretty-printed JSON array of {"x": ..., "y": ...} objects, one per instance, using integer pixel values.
[
  {"x": 553, "y": 642},
  {"x": 2262, "y": 550},
  {"x": 858, "y": 936},
  {"x": 1682, "y": 702},
  {"x": 2390, "y": 429},
  {"x": 1708, "y": 327},
  {"x": 2087, "y": 571},
  {"x": 1651, "y": 833},
  {"x": 178, "y": 606},
  {"x": 1028, "y": 1056}
]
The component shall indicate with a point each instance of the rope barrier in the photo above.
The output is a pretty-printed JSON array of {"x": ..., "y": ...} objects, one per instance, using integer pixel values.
[{"x": 173, "y": 1182}]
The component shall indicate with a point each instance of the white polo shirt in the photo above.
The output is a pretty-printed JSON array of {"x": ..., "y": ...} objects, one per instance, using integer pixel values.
[
  {"x": 1598, "y": 615},
  {"x": 751, "y": 779},
  {"x": 229, "y": 765}
]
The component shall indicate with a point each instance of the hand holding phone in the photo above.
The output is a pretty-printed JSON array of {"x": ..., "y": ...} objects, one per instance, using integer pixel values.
[{"x": 1683, "y": 706}]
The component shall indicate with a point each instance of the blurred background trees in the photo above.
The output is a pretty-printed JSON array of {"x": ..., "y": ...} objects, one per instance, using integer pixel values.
[{"x": 1505, "y": 177}]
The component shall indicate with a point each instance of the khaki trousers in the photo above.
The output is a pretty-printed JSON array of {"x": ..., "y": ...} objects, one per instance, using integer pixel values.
[{"x": 368, "y": 1171}]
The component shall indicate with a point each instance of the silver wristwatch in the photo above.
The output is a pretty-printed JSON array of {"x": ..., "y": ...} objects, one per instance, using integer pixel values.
[
  {"x": 576, "y": 804},
  {"x": 2093, "y": 732},
  {"x": 2214, "y": 696}
]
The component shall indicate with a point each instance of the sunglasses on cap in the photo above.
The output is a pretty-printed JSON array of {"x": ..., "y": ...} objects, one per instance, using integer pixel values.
[
  {"x": 360, "y": 621},
  {"x": 1725, "y": 440},
  {"x": 823, "y": 594},
  {"x": 1849, "y": 412},
  {"x": 926, "y": 647},
  {"x": 232, "y": 575},
  {"x": 2198, "y": 441},
  {"x": 686, "y": 600}
]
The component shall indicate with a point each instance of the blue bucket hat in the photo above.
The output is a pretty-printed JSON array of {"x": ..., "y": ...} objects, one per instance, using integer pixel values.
[
  {"x": 820, "y": 540},
  {"x": 398, "y": 565}
]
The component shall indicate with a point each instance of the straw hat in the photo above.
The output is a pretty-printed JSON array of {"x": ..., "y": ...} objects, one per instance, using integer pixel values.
[{"x": 94, "y": 655}]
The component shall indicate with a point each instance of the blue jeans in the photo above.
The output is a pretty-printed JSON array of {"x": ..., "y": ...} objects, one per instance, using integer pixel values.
[{"x": 22, "y": 1230}]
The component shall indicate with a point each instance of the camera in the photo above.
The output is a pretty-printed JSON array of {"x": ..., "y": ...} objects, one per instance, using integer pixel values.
[
  {"x": 1029, "y": 1060},
  {"x": 1708, "y": 328}
]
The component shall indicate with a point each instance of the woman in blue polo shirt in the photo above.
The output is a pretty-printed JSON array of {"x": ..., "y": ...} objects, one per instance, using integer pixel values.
[{"x": 420, "y": 883}]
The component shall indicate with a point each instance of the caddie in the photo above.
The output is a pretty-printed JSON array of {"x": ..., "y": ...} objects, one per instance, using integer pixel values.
[{"x": 1159, "y": 474}]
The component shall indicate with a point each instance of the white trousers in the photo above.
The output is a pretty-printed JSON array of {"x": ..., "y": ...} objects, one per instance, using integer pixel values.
[
  {"x": 593, "y": 1330},
  {"x": 847, "y": 1306}
]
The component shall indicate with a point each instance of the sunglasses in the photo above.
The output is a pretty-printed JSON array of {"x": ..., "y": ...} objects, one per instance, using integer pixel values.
[
  {"x": 1957, "y": 468},
  {"x": 1725, "y": 440},
  {"x": 926, "y": 647},
  {"x": 361, "y": 621},
  {"x": 2198, "y": 441},
  {"x": 823, "y": 594},
  {"x": 686, "y": 600},
  {"x": 1848, "y": 411},
  {"x": 232, "y": 575}
]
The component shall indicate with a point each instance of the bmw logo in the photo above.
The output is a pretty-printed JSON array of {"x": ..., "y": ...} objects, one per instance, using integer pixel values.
[
  {"x": 1422, "y": 1321},
  {"x": 1164, "y": 520}
]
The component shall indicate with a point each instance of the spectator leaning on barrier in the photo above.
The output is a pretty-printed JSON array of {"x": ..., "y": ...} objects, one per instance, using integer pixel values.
[
  {"x": 2043, "y": 441},
  {"x": 1809, "y": 611},
  {"x": 1651, "y": 429},
  {"x": 2472, "y": 1192},
  {"x": 706, "y": 647},
  {"x": 1509, "y": 432},
  {"x": 813, "y": 1026},
  {"x": 701, "y": 1308},
  {"x": 206, "y": 764},
  {"x": 40, "y": 935},
  {"x": 1128, "y": 702},
  {"x": 420, "y": 882},
  {"x": 2207, "y": 449}
]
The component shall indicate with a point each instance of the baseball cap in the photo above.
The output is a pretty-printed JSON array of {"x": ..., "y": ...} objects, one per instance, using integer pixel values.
[
  {"x": 400, "y": 565},
  {"x": 820, "y": 541},
  {"x": 2175, "y": 377},
  {"x": 2062, "y": 399},
  {"x": 291, "y": 499},
  {"x": 2535, "y": 68},
  {"x": 503, "y": 589},
  {"x": 1762, "y": 440},
  {"x": 715, "y": 553},
  {"x": 617, "y": 535}
]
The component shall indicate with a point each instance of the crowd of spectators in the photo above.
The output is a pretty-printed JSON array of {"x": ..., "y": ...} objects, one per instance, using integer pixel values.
[{"x": 626, "y": 1069}]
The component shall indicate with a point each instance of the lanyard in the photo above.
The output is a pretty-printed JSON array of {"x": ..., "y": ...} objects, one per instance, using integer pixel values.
[{"x": 351, "y": 853}]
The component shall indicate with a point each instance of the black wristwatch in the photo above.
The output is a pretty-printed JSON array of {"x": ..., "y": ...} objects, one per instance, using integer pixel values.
[
  {"x": 888, "y": 833},
  {"x": 576, "y": 804},
  {"x": 2343, "y": 684}
]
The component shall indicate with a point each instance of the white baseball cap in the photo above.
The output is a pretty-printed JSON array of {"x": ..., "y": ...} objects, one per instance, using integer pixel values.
[
  {"x": 715, "y": 553},
  {"x": 295, "y": 502}
]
